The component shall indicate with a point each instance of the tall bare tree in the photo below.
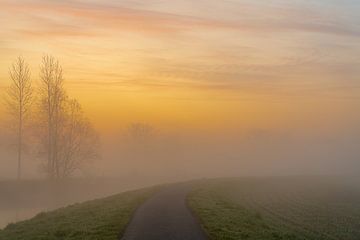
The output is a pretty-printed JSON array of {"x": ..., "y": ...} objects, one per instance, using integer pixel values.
[
  {"x": 19, "y": 99},
  {"x": 53, "y": 98},
  {"x": 68, "y": 139}
]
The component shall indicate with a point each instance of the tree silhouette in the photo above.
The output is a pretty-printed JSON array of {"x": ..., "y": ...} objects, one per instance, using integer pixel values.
[
  {"x": 79, "y": 140},
  {"x": 52, "y": 100},
  {"x": 19, "y": 99},
  {"x": 68, "y": 139}
]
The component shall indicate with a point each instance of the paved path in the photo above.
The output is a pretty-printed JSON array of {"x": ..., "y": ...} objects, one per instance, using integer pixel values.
[{"x": 165, "y": 216}]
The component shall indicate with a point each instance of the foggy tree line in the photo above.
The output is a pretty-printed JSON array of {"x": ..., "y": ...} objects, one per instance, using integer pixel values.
[{"x": 64, "y": 137}]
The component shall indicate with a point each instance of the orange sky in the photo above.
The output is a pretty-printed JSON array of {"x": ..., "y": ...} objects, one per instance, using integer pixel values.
[{"x": 195, "y": 64}]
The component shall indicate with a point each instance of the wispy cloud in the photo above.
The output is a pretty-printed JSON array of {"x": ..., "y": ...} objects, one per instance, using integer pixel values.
[
  {"x": 210, "y": 56},
  {"x": 75, "y": 18}
]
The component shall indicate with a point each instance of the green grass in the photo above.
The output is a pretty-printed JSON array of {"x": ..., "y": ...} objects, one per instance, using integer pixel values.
[
  {"x": 276, "y": 209},
  {"x": 104, "y": 219},
  {"x": 224, "y": 220}
]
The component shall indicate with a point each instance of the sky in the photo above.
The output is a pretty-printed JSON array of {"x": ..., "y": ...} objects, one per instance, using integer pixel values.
[{"x": 231, "y": 66}]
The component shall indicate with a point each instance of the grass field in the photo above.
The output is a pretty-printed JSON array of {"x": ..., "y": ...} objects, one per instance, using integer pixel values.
[
  {"x": 278, "y": 208},
  {"x": 22, "y": 200},
  {"x": 103, "y": 219}
]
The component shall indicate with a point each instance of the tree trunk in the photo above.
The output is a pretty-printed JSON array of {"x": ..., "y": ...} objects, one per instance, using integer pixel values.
[{"x": 19, "y": 151}]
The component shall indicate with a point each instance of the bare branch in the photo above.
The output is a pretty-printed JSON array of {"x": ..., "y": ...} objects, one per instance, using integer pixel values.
[{"x": 19, "y": 99}]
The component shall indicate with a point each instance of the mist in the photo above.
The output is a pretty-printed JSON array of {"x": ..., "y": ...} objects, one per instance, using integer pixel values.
[
  {"x": 159, "y": 157},
  {"x": 246, "y": 153},
  {"x": 156, "y": 92},
  {"x": 183, "y": 156}
]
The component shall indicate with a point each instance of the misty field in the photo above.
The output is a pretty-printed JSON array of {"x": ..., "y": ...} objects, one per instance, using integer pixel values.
[
  {"x": 278, "y": 208},
  {"x": 103, "y": 218}
]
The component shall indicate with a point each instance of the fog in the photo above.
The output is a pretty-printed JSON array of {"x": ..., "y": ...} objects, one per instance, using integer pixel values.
[
  {"x": 256, "y": 152},
  {"x": 131, "y": 161},
  {"x": 182, "y": 156},
  {"x": 177, "y": 90}
]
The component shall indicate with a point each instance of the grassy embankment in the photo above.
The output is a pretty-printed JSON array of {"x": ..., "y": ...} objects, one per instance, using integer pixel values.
[
  {"x": 104, "y": 219},
  {"x": 276, "y": 209}
]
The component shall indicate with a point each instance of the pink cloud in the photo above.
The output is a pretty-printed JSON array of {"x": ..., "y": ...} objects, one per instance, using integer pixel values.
[{"x": 116, "y": 18}]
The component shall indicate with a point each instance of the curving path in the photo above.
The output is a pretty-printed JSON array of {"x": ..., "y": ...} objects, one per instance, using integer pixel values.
[{"x": 165, "y": 216}]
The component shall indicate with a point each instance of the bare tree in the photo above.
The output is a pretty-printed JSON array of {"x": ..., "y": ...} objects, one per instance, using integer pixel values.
[
  {"x": 140, "y": 144},
  {"x": 140, "y": 133},
  {"x": 79, "y": 140},
  {"x": 19, "y": 99},
  {"x": 52, "y": 103},
  {"x": 68, "y": 139}
]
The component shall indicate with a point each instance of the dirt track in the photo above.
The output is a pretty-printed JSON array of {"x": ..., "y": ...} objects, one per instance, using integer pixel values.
[{"x": 165, "y": 216}]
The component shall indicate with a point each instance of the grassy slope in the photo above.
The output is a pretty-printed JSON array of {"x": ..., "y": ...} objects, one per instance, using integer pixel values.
[
  {"x": 263, "y": 209},
  {"x": 103, "y": 219},
  {"x": 224, "y": 220}
]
